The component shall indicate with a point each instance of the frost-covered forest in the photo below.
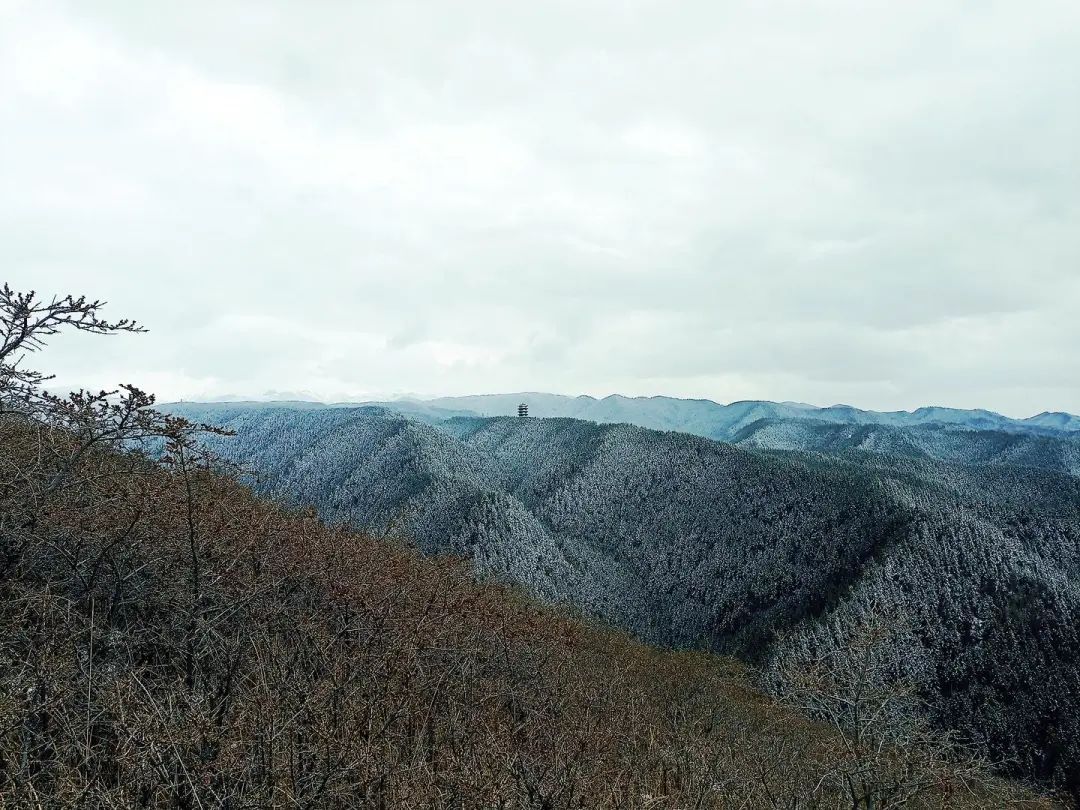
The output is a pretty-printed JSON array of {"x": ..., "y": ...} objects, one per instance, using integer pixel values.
[{"x": 966, "y": 542}]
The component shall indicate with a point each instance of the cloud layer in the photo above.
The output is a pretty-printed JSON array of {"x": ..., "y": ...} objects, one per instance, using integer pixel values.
[{"x": 869, "y": 202}]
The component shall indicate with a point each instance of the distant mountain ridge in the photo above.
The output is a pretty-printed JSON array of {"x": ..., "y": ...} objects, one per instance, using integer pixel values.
[
  {"x": 1056, "y": 451},
  {"x": 702, "y": 417},
  {"x": 713, "y": 420},
  {"x": 1049, "y": 441}
]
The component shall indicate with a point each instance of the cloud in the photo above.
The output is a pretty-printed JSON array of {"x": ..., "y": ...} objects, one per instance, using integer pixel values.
[{"x": 871, "y": 202}]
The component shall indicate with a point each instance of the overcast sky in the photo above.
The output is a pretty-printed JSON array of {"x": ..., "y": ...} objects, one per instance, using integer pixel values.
[{"x": 867, "y": 202}]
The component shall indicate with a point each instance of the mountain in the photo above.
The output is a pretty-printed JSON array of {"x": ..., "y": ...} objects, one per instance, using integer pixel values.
[
  {"x": 770, "y": 554},
  {"x": 1055, "y": 421},
  {"x": 700, "y": 417},
  {"x": 171, "y": 640},
  {"x": 212, "y": 412},
  {"x": 932, "y": 441},
  {"x": 715, "y": 421}
]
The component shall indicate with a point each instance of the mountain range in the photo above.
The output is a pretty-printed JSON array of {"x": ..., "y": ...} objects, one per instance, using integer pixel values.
[
  {"x": 715, "y": 421},
  {"x": 702, "y": 417},
  {"x": 964, "y": 540},
  {"x": 1048, "y": 440}
]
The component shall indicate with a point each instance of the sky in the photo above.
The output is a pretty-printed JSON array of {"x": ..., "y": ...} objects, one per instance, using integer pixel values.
[{"x": 875, "y": 203}]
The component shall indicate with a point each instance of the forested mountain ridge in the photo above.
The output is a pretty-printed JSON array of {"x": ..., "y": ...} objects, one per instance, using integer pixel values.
[
  {"x": 1059, "y": 452},
  {"x": 718, "y": 421},
  {"x": 768, "y": 554},
  {"x": 701, "y": 417},
  {"x": 1047, "y": 441}
]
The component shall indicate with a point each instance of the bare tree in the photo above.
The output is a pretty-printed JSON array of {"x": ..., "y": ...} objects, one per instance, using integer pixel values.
[
  {"x": 886, "y": 754},
  {"x": 26, "y": 320},
  {"x": 67, "y": 427}
]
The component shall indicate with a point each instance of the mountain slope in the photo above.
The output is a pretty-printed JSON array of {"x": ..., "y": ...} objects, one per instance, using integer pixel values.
[
  {"x": 169, "y": 640},
  {"x": 766, "y": 554}
]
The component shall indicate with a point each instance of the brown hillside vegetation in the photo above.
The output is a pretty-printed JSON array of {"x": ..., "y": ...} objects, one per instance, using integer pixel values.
[{"x": 167, "y": 639}]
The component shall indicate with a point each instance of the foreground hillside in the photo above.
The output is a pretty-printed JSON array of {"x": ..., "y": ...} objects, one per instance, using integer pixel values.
[
  {"x": 778, "y": 557},
  {"x": 168, "y": 639}
]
